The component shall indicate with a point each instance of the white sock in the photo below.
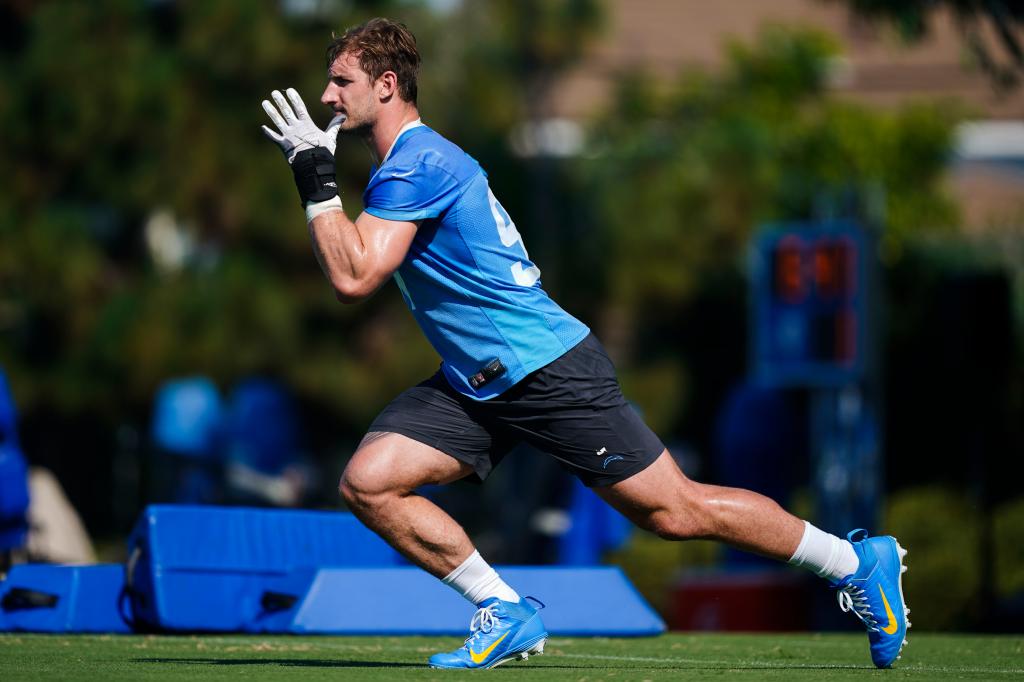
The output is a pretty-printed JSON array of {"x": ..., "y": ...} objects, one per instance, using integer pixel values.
[
  {"x": 825, "y": 554},
  {"x": 475, "y": 580}
]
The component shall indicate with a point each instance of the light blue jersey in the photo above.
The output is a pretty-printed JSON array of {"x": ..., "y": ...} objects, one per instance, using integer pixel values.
[{"x": 467, "y": 277}]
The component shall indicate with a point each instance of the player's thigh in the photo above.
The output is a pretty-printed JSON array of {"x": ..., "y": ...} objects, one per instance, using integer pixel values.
[
  {"x": 393, "y": 463},
  {"x": 660, "y": 489},
  {"x": 425, "y": 435}
]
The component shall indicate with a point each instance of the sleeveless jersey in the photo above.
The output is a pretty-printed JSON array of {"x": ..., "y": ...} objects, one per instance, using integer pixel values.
[{"x": 467, "y": 277}]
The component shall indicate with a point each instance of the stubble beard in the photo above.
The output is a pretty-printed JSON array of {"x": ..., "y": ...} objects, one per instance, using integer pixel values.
[{"x": 358, "y": 128}]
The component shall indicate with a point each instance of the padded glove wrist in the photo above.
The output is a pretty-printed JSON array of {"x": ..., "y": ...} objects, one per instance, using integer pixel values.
[{"x": 314, "y": 175}]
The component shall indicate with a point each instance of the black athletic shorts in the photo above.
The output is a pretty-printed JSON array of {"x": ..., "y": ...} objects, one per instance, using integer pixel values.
[{"x": 571, "y": 409}]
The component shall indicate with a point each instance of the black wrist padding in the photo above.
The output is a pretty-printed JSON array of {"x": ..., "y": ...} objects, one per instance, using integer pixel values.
[{"x": 314, "y": 175}]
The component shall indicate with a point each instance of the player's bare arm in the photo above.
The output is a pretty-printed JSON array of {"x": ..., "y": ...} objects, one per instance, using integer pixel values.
[{"x": 359, "y": 257}]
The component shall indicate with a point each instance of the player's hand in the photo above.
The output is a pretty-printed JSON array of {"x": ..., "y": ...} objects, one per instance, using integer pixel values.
[{"x": 297, "y": 130}]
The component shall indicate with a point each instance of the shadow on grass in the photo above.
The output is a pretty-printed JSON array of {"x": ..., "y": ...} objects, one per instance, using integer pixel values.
[
  {"x": 297, "y": 662},
  {"x": 340, "y": 663}
]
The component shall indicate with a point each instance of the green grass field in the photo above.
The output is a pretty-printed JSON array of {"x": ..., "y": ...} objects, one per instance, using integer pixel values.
[{"x": 669, "y": 657}]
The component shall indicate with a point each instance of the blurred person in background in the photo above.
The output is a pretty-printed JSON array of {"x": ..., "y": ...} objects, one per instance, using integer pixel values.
[
  {"x": 515, "y": 367},
  {"x": 263, "y": 462},
  {"x": 14, "y": 490},
  {"x": 37, "y": 521}
]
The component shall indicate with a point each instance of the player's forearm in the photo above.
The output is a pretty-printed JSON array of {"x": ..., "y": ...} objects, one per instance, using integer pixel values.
[
  {"x": 356, "y": 256},
  {"x": 344, "y": 256}
]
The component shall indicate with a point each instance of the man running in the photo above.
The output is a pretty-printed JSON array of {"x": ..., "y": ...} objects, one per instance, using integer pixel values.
[{"x": 515, "y": 367}]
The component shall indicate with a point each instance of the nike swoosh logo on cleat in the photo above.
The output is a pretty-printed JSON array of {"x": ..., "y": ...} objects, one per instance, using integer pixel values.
[
  {"x": 891, "y": 628},
  {"x": 479, "y": 657}
]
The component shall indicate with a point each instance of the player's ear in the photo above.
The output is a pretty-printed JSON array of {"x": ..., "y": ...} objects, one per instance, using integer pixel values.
[{"x": 387, "y": 85}]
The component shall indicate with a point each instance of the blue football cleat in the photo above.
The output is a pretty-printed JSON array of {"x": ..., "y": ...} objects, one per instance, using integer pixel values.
[
  {"x": 500, "y": 631},
  {"x": 875, "y": 595}
]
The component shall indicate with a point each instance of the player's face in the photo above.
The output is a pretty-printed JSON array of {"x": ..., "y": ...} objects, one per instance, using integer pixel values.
[{"x": 350, "y": 92}]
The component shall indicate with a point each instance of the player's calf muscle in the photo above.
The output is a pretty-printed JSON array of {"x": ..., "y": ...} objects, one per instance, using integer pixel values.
[{"x": 687, "y": 522}]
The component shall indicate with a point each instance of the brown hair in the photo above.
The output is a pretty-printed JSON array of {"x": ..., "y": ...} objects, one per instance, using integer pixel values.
[{"x": 381, "y": 45}]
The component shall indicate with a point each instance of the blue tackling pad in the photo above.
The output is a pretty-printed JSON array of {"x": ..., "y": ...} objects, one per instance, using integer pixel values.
[
  {"x": 236, "y": 569},
  {"x": 596, "y": 600},
  {"x": 53, "y": 598}
]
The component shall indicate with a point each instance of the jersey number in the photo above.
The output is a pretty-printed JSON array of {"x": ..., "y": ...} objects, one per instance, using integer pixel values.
[{"x": 510, "y": 236}]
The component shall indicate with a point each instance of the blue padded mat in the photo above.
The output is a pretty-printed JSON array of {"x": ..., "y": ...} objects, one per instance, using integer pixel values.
[
  {"x": 51, "y": 598},
  {"x": 196, "y": 537},
  {"x": 235, "y": 569},
  {"x": 596, "y": 600}
]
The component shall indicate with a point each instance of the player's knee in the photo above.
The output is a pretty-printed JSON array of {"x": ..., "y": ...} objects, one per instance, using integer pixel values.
[
  {"x": 360, "y": 490},
  {"x": 349, "y": 493}
]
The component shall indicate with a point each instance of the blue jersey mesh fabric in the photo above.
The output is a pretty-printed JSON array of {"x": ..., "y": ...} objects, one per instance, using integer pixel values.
[{"x": 467, "y": 277}]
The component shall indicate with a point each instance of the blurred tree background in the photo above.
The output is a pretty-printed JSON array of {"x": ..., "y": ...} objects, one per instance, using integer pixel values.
[
  {"x": 1002, "y": 59},
  {"x": 148, "y": 230}
]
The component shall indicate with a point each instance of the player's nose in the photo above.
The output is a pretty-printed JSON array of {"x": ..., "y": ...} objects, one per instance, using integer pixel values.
[{"x": 328, "y": 98}]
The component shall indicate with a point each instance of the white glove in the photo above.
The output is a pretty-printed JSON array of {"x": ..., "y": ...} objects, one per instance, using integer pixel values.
[{"x": 298, "y": 132}]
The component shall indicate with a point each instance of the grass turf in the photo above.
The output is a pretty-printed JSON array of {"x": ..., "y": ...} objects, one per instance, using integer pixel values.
[{"x": 669, "y": 657}]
